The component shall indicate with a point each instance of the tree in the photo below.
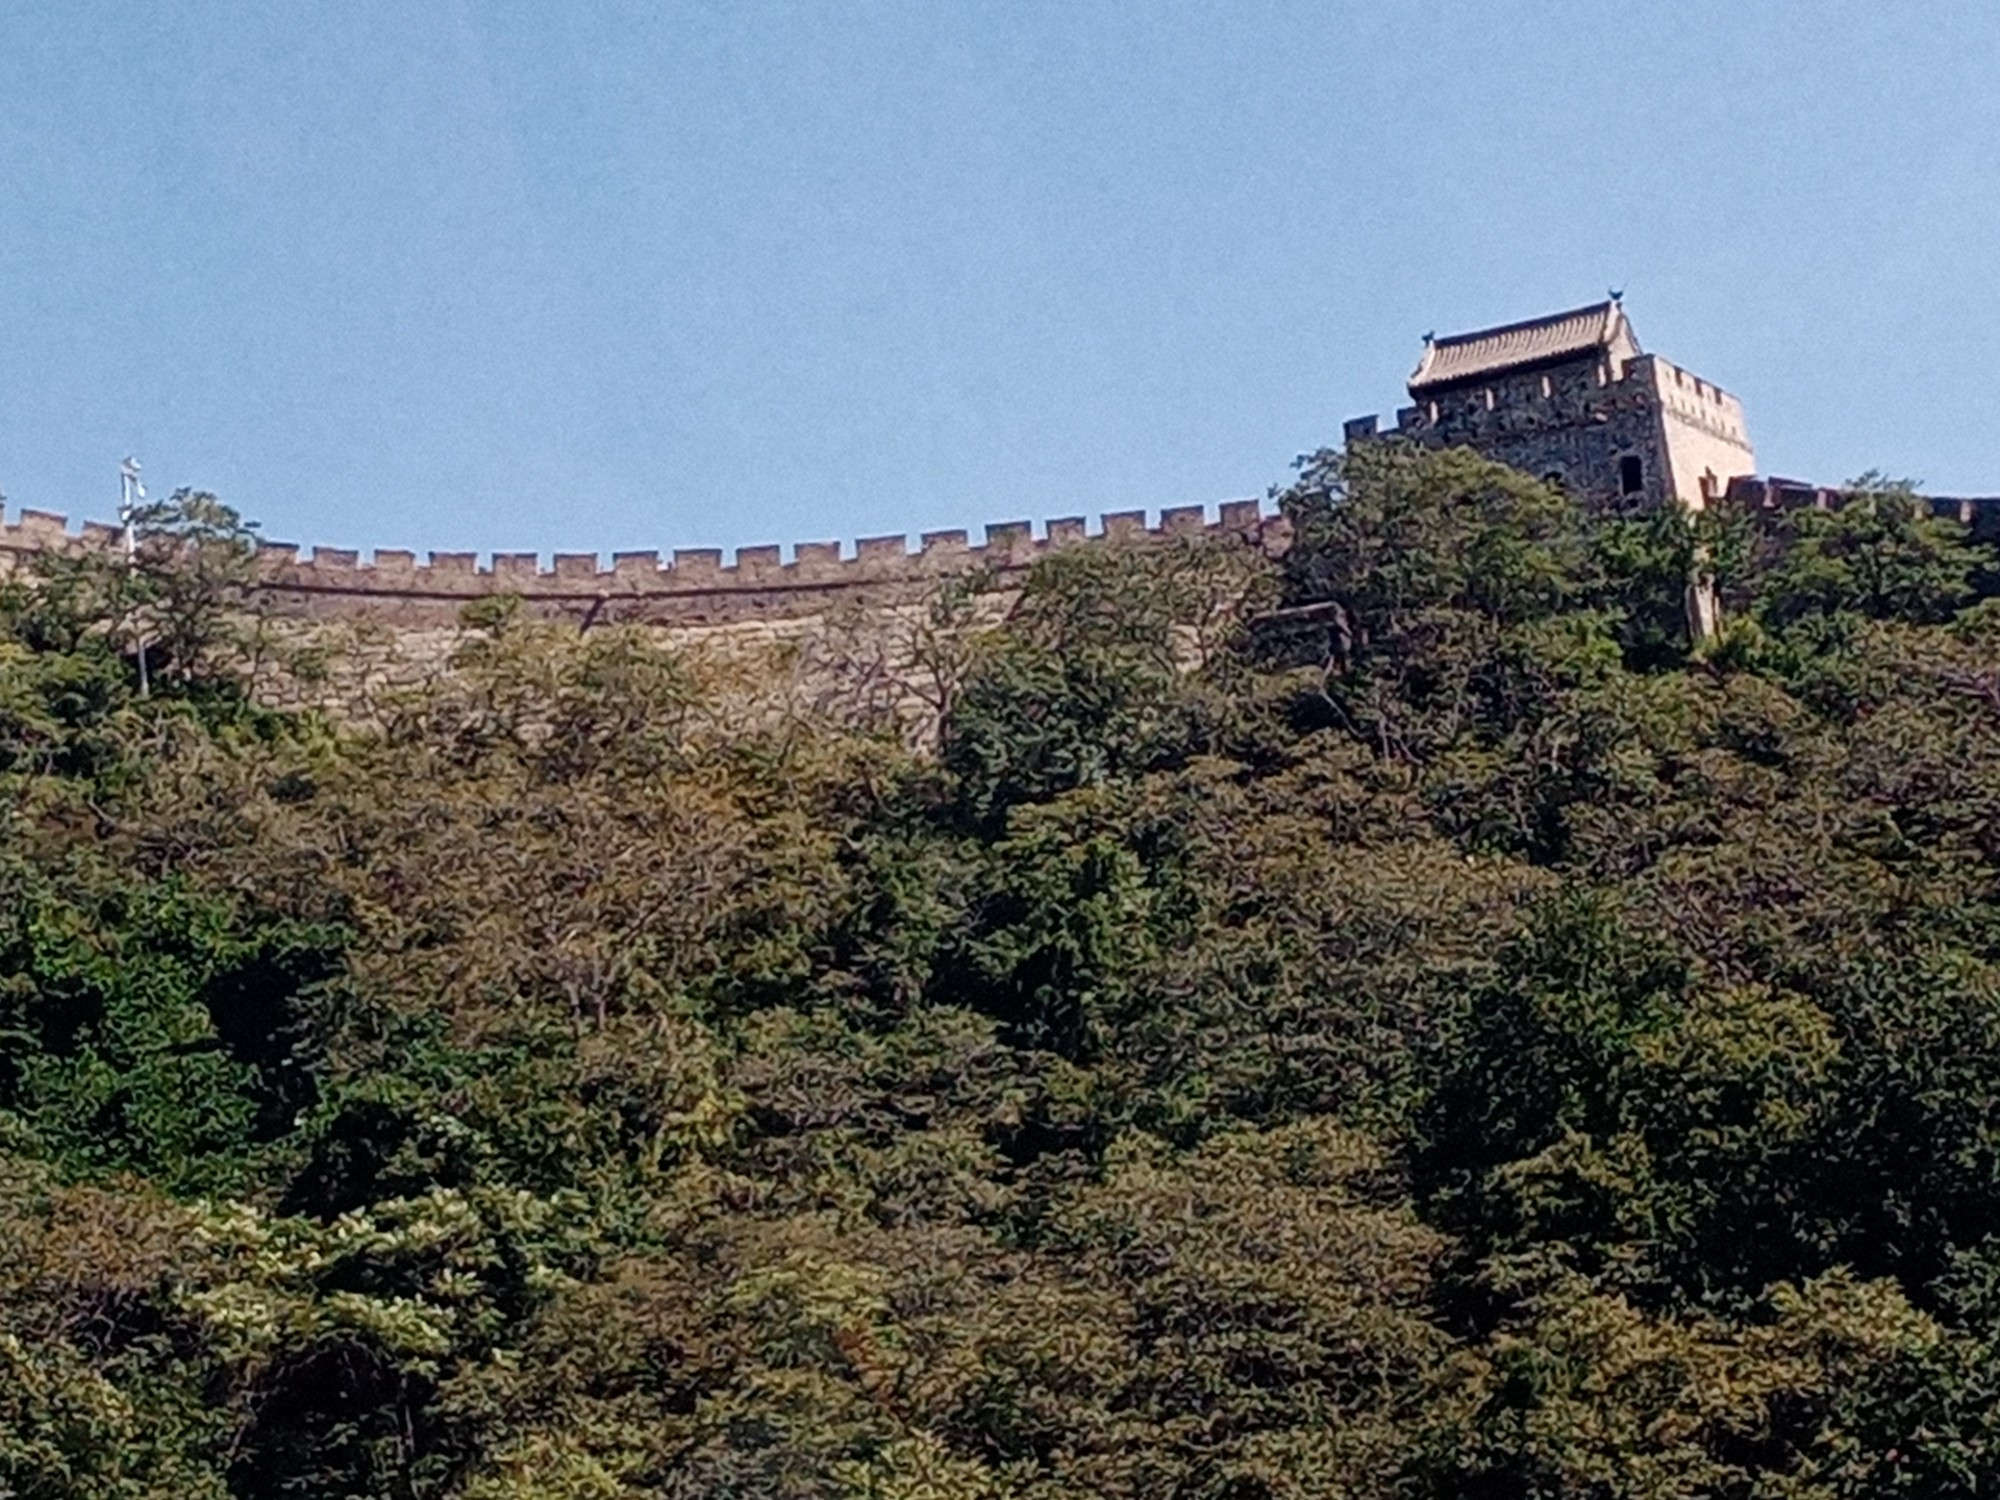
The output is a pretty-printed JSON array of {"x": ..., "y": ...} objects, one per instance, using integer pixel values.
[{"x": 1880, "y": 553}]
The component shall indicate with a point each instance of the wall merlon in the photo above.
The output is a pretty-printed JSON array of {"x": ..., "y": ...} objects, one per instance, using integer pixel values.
[
  {"x": 1979, "y": 512},
  {"x": 1068, "y": 529},
  {"x": 692, "y": 586},
  {"x": 42, "y": 526},
  {"x": 1010, "y": 536},
  {"x": 882, "y": 549},
  {"x": 816, "y": 561},
  {"x": 517, "y": 567},
  {"x": 694, "y": 564}
]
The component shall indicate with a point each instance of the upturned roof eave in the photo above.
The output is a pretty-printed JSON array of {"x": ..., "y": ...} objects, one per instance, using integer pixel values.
[
  {"x": 1485, "y": 374},
  {"x": 1608, "y": 318}
]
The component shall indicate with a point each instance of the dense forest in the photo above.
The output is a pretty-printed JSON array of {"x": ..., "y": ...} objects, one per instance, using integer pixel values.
[{"x": 1390, "y": 1020}]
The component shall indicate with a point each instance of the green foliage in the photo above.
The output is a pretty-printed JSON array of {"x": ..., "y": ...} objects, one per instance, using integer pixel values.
[
  {"x": 152, "y": 1031},
  {"x": 1397, "y": 1020},
  {"x": 1087, "y": 681},
  {"x": 1881, "y": 555}
]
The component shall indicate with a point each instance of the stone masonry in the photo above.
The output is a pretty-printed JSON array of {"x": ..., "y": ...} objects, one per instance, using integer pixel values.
[
  {"x": 693, "y": 589},
  {"x": 1572, "y": 398},
  {"x": 338, "y": 627}
]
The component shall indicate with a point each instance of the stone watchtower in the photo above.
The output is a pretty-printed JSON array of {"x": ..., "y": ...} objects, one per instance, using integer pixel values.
[{"x": 1572, "y": 399}]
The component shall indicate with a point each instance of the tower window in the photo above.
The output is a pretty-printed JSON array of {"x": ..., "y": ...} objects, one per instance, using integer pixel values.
[
  {"x": 1631, "y": 475},
  {"x": 1548, "y": 388}
]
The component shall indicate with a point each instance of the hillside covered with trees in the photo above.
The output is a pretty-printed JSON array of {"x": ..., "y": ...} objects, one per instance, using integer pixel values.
[{"x": 1448, "y": 1039}]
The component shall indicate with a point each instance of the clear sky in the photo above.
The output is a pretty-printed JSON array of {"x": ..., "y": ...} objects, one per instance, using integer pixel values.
[{"x": 604, "y": 274}]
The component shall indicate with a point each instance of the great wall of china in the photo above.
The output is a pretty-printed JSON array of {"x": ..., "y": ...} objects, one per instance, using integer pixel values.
[
  {"x": 349, "y": 633},
  {"x": 691, "y": 589},
  {"x": 1569, "y": 396}
]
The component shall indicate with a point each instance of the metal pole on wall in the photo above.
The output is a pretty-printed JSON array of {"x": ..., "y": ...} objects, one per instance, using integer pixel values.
[{"x": 130, "y": 494}]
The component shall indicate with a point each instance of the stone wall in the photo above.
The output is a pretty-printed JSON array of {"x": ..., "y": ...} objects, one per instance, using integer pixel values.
[
  {"x": 1980, "y": 514},
  {"x": 1573, "y": 422},
  {"x": 342, "y": 631},
  {"x": 1706, "y": 440},
  {"x": 1579, "y": 421},
  {"x": 690, "y": 589},
  {"x": 338, "y": 629}
]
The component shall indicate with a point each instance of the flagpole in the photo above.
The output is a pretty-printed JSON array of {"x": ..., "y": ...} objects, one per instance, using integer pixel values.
[{"x": 130, "y": 493}]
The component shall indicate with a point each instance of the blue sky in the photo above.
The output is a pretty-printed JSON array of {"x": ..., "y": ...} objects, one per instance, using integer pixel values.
[{"x": 608, "y": 275}]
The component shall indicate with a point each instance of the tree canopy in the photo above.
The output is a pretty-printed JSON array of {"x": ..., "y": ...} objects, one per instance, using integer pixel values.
[{"x": 1397, "y": 1020}]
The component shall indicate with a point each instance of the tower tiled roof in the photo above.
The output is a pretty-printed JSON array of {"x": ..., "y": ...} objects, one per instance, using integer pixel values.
[{"x": 1471, "y": 356}]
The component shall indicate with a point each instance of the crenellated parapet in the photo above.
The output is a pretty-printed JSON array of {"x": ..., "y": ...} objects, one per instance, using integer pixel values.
[
  {"x": 1980, "y": 514},
  {"x": 689, "y": 586},
  {"x": 1573, "y": 399}
]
